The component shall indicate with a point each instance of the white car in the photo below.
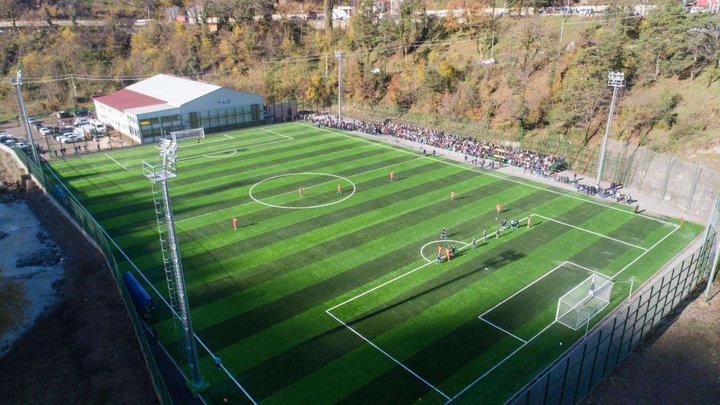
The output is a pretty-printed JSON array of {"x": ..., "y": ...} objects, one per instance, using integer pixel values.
[
  {"x": 45, "y": 131},
  {"x": 72, "y": 138},
  {"x": 80, "y": 121},
  {"x": 21, "y": 145}
]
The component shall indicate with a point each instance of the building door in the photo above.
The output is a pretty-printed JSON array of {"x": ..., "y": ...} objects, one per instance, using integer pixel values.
[{"x": 194, "y": 121}]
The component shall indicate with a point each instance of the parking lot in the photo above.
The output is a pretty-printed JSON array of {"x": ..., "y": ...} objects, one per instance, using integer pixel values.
[{"x": 56, "y": 137}]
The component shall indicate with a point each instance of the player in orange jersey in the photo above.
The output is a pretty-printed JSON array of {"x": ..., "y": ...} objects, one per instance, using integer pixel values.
[
  {"x": 339, "y": 189},
  {"x": 392, "y": 176},
  {"x": 234, "y": 222},
  {"x": 498, "y": 208},
  {"x": 301, "y": 191},
  {"x": 447, "y": 254},
  {"x": 452, "y": 196}
]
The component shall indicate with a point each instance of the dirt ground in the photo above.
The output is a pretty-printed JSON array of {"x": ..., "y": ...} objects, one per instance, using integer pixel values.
[
  {"x": 83, "y": 350},
  {"x": 678, "y": 364}
]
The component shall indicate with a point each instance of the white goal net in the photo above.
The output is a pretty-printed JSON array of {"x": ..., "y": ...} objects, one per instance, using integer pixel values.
[
  {"x": 584, "y": 301},
  {"x": 195, "y": 133}
]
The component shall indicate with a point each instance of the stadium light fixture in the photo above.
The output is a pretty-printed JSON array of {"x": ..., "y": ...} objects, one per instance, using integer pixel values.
[
  {"x": 160, "y": 174},
  {"x": 339, "y": 58},
  {"x": 616, "y": 80}
]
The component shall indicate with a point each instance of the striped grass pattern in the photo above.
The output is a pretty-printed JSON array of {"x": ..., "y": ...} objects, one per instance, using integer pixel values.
[{"x": 328, "y": 297}]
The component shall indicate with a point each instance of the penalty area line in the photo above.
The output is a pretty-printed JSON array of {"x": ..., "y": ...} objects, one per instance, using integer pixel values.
[
  {"x": 118, "y": 163},
  {"x": 501, "y": 329},
  {"x": 398, "y": 362}
]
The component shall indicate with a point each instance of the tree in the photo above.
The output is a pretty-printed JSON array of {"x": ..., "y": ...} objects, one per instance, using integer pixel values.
[
  {"x": 328, "y": 7},
  {"x": 363, "y": 28},
  {"x": 11, "y": 10}
]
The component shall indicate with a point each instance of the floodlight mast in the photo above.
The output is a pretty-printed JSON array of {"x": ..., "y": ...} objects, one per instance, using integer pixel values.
[
  {"x": 160, "y": 174},
  {"x": 25, "y": 118},
  {"x": 339, "y": 59},
  {"x": 616, "y": 80}
]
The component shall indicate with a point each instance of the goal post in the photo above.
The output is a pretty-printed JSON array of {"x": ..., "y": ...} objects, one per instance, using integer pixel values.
[
  {"x": 584, "y": 301},
  {"x": 194, "y": 133}
]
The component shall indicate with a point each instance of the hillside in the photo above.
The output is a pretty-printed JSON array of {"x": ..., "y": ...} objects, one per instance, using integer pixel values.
[{"x": 515, "y": 75}]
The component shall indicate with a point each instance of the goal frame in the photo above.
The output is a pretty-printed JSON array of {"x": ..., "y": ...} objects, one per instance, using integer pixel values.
[
  {"x": 596, "y": 283},
  {"x": 192, "y": 133}
]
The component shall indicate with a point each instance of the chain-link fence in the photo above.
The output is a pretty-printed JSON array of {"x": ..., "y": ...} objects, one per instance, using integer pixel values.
[
  {"x": 688, "y": 186},
  {"x": 580, "y": 369},
  {"x": 116, "y": 258}
]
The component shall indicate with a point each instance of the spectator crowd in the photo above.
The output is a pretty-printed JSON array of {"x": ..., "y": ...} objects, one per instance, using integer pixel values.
[{"x": 476, "y": 151}]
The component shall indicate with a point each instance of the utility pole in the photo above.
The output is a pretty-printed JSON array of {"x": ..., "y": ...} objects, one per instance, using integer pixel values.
[
  {"x": 339, "y": 59},
  {"x": 72, "y": 81},
  {"x": 23, "y": 112},
  {"x": 616, "y": 80}
]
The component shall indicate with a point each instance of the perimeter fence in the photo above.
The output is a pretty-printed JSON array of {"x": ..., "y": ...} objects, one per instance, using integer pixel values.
[
  {"x": 688, "y": 186},
  {"x": 584, "y": 366},
  {"x": 119, "y": 263}
]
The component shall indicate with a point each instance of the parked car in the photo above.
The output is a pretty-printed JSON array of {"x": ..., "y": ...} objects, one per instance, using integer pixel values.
[
  {"x": 21, "y": 145},
  {"x": 46, "y": 131},
  {"x": 6, "y": 139},
  {"x": 80, "y": 121},
  {"x": 81, "y": 112},
  {"x": 72, "y": 138},
  {"x": 63, "y": 114},
  {"x": 37, "y": 124}
]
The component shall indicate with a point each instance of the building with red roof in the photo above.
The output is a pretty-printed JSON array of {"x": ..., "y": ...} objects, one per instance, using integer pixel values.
[{"x": 160, "y": 104}]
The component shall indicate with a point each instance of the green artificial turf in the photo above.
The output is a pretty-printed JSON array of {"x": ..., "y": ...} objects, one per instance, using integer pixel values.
[{"x": 336, "y": 297}]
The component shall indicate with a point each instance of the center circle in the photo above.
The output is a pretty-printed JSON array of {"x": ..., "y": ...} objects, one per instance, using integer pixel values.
[{"x": 259, "y": 201}]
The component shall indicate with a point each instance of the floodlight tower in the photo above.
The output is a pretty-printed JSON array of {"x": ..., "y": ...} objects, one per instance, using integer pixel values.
[
  {"x": 159, "y": 174},
  {"x": 616, "y": 80},
  {"x": 339, "y": 59},
  {"x": 23, "y": 112}
]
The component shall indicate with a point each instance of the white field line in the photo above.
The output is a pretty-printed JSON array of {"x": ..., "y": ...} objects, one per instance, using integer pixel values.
[
  {"x": 119, "y": 164},
  {"x": 390, "y": 357},
  {"x": 175, "y": 314},
  {"x": 228, "y": 136},
  {"x": 377, "y": 287},
  {"x": 591, "y": 232},
  {"x": 288, "y": 137},
  {"x": 501, "y": 329},
  {"x": 393, "y": 280},
  {"x": 522, "y": 289},
  {"x": 564, "y": 194},
  {"x": 590, "y": 270},
  {"x": 295, "y": 191},
  {"x": 499, "y": 363},
  {"x": 644, "y": 253}
]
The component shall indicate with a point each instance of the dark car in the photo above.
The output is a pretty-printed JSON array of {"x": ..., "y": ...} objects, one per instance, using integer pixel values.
[{"x": 82, "y": 112}]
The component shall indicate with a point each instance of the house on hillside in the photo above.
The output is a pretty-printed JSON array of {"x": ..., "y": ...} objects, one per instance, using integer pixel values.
[{"x": 711, "y": 6}]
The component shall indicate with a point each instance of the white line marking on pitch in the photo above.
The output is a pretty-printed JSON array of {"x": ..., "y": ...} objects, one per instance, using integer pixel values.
[
  {"x": 302, "y": 208},
  {"x": 390, "y": 357},
  {"x": 142, "y": 275},
  {"x": 522, "y": 289},
  {"x": 492, "y": 324},
  {"x": 289, "y": 138},
  {"x": 508, "y": 178},
  {"x": 589, "y": 231},
  {"x": 644, "y": 253},
  {"x": 464, "y": 245},
  {"x": 120, "y": 164},
  {"x": 588, "y": 269},
  {"x": 499, "y": 363},
  {"x": 295, "y": 191}
]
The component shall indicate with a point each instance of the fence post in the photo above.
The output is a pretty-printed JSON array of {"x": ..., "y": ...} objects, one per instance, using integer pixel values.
[
  {"x": 580, "y": 372},
  {"x": 667, "y": 178}
]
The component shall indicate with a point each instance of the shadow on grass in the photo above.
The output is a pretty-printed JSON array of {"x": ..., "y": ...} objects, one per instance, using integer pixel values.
[{"x": 492, "y": 263}]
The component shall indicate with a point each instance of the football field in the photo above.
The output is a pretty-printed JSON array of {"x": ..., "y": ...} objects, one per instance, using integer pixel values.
[{"x": 335, "y": 294}]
